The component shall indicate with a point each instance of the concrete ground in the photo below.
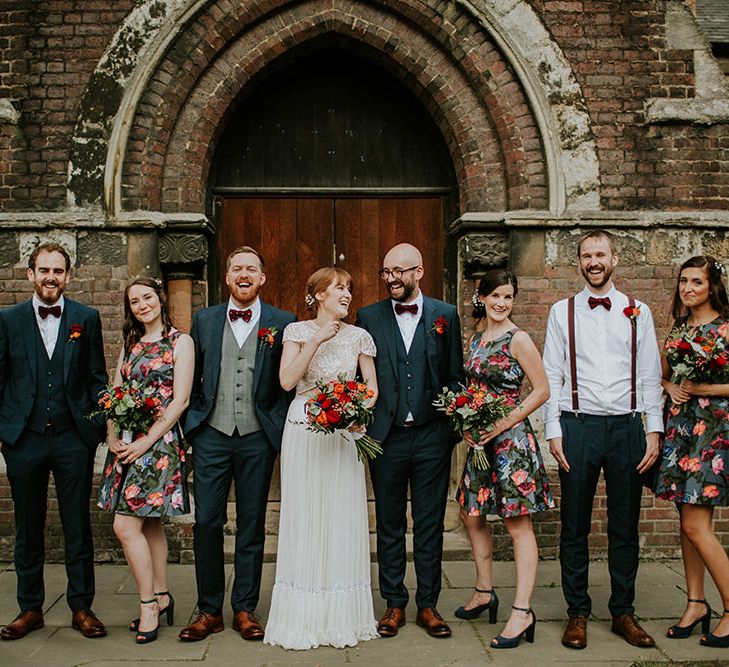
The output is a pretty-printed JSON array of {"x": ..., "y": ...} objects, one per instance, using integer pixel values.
[{"x": 660, "y": 598}]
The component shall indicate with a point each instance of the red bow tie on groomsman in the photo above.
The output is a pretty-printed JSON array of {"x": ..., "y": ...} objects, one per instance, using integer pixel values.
[
  {"x": 45, "y": 311},
  {"x": 604, "y": 301},
  {"x": 244, "y": 315},
  {"x": 401, "y": 308}
]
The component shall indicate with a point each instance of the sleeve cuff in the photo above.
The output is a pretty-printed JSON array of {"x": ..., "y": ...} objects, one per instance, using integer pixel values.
[
  {"x": 552, "y": 430},
  {"x": 653, "y": 423}
]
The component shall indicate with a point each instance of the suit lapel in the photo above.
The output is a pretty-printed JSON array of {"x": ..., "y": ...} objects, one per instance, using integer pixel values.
[
  {"x": 431, "y": 349},
  {"x": 265, "y": 321},
  {"x": 29, "y": 336},
  {"x": 68, "y": 317},
  {"x": 390, "y": 333},
  {"x": 216, "y": 342}
]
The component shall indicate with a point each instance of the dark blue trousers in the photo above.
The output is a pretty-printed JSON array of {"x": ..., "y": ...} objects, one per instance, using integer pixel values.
[
  {"x": 219, "y": 459},
  {"x": 615, "y": 445},
  {"x": 418, "y": 458},
  {"x": 29, "y": 464}
]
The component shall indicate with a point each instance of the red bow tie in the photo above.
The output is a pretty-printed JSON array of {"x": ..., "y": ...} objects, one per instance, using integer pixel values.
[
  {"x": 604, "y": 301},
  {"x": 45, "y": 311},
  {"x": 401, "y": 308},
  {"x": 244, "y": 315}
]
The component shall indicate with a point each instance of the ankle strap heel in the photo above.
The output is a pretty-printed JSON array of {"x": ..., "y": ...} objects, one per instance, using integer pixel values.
[
  {"x": 683, "y": 631},
  {"x": 512, "y": 642}
]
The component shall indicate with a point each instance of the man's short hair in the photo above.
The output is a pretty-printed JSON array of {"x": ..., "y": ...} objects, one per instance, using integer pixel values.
[
  {"x": 50, "y": 246},
  {"x": 248, "y": 249},
  {"x": 596, "y": 234}
]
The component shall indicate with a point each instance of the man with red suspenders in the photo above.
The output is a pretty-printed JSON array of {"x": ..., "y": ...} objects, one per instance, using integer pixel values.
[{"x": 603, "y": 365}]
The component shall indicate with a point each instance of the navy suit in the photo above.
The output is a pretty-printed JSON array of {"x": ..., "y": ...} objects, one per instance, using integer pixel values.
[
  {"x": 218, "y": 459},
  {"x": 415, "y": 455},
  {"x": 44, "y": 428}
]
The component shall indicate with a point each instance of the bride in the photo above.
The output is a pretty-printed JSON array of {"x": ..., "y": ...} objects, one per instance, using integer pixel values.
[{"x": 322, "y": 593}]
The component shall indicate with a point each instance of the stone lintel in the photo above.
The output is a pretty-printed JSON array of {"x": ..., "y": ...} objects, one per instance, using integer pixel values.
[
  {"x": 697, "y": 111},
  {"x": 96, "y": 219}
]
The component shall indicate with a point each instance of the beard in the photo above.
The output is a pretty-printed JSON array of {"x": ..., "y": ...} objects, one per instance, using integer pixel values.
[
  {"x": 407, "y": 290},
  {"x": 597, "y": 280}
]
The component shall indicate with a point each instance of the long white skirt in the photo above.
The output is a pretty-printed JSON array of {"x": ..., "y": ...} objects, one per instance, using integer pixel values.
[{"x": 322, "y": 593}]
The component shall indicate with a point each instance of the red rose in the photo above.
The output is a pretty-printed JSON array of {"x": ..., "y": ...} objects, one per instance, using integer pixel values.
[
  {"x": 352, "y": 386},
  {"x": 684, "y": 346},
  {"x": 333, "y": 417},
  {"x": 461, "y": 401},
  {"x": 326, "y": 403}
]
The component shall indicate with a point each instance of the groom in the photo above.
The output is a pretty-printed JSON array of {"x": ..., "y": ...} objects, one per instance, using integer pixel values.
[
  {"x": 234, "y": 422},
  {"x": 418, "y": 353},
  {"x": 52, "y": 369}
]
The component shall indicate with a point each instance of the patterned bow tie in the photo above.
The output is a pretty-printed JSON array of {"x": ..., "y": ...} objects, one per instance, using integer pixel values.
[
  {"x": 244, "y": 315},
  {"x": 45, "y": 311},
  {"x": 604, "y": 301},
  {"x": 401, "y": 308}
]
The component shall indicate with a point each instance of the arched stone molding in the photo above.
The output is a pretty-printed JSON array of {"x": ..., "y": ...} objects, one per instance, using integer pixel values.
[{"x": 542, "y": 72}]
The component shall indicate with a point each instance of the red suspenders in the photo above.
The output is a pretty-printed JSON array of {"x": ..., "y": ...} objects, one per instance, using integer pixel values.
[{"x": 573, "y": 355}]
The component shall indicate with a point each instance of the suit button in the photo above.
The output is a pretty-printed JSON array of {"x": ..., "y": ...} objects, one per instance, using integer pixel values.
[{"x": 409, "y": 375}]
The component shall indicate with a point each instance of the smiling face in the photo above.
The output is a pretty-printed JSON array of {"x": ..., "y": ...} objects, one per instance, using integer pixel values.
[
  {"x": 693, "y": 287},
  {"x": 499, "y": 303},
  {"x": 50, "y": 276},
  {"x": 405, "y": 262},
  {"x": 244, "y": 278},
  {"x": 335, "y": 299},
  {"x": 597, "y": 261},
  {"x": 145, "y": 305}
]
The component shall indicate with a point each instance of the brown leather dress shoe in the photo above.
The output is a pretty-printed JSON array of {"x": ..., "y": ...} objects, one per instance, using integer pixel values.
[
  {"x": 202, "y": 626},
  {"x": 248, "y": 625},
  {"x": 575, "y": 634},
  {"x": 22, "y": 624},
  {"x": 87, "y": 624},
  {"x": 433, "y": 622},
  {"x": 391, "y": 622},
  {"x": 627, "y": 627}
]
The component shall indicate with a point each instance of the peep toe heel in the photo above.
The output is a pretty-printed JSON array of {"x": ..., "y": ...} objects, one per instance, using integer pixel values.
[
  {"x": 492, "y": 605},
  {"x": 527, "y": 634},
  {"x": 710, "y": 639},
  {"x": 147, "y": 636},
  {"x": 683, "y": 631},
  {"x": 169, "y": 610}
]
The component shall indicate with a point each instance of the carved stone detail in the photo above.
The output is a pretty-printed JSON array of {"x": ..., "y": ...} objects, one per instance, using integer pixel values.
[
  {"x": 182, "y": 249},
  {"x": 482, "y": 251}
]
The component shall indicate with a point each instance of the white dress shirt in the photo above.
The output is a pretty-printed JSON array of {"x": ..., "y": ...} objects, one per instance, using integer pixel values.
[
  {"x": 603, "y": 353},
  {"x": 241, "y": 328},
  {"x": 408, "y": 322},
  {"x": 48, "y": 327}
]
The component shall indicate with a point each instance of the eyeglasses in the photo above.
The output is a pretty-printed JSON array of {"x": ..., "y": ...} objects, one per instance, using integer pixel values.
[{"x": 395, "y": 274}]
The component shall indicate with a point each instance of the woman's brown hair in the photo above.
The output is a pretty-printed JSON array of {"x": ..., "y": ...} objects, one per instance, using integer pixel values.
[
  {"x": 320, "y": 280},
  {"x": 133, "y": 329},
  {"x": 717, "y": 291}
]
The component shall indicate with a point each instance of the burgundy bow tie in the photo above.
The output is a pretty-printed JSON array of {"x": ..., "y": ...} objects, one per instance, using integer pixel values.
[
  {"x": 604, "y": 301},
  {"x": 401, "y": 308},
  {"x": 45, "y": 311},
  {"x": 244, "y": 315}
]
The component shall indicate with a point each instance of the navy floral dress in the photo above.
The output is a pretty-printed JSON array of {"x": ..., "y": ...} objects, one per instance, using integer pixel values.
[
  {"x": 155, "y": 485},
  {"x": 516, "y": 482},
  {"x": 695, "y": 459}
]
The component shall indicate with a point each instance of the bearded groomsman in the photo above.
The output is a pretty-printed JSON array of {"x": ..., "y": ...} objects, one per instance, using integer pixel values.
[
  {"x": 418, "y": 353},
  {"x": 235, "y": 422},
  {"x": 52, "y": 369},
  {"x": 604, "y": 372}
]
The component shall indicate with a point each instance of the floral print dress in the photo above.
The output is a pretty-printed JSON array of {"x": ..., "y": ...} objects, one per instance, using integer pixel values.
[
  {"x": 516, "y": 482},
  {"x": 155, "y": 485},
  {"x": 695, "y": 459}
]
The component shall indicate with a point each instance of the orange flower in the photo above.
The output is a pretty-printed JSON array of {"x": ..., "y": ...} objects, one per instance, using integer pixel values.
[
  {"x": 699, "y": 428},
  {"x": 710, "y": 491},
  {"x": 321, "y": 418},
  {"x": 155, "y": 499}
]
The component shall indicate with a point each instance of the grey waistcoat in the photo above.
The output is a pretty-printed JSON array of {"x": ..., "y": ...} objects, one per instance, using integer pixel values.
[{"x": 234, "y": 406}]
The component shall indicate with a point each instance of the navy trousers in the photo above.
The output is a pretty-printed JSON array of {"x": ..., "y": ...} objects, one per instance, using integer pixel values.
[{"x": 615, "y": 445}]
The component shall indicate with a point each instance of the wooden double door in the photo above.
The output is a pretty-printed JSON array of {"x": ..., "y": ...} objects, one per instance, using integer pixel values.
[{"x": 297, "y": 235}]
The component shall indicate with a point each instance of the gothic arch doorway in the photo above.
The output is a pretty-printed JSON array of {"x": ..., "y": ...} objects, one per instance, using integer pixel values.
[{"x": 328, "y": 159}]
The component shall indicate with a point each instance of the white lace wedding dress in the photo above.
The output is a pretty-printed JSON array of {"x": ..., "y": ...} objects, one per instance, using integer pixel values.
[{"x": 322, "y": 593}]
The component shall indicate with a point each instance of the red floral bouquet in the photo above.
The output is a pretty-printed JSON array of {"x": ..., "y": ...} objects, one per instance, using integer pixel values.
[
  {"x": 132, "y": 406},
  {"x": 474, "y": 409},
  {"x": 697, "y": 356},
  {"x": 340, "y": 404}
]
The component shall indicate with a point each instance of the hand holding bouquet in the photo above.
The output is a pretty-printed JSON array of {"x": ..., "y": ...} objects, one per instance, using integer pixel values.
[
  {"x": 695, "y": 356},
  {"x": 343, "y": 404},
  {"x": 473, "y": 409},
  {"x": 132, "y": 406}
]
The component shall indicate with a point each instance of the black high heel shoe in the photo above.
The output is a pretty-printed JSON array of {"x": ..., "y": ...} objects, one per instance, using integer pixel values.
[
  {"x": 146, "y": 636},
  {"x": 492, "y": 605},
  {"x": 527, "y": 633},
  {"x": 683, "y": 631},
  {"x": 710, "y": 639},
  {"x": 169, "y": 609}
]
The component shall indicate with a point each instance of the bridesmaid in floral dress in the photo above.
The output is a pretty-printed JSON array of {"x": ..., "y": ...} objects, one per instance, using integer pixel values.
[
  {"x": 694, "y": 470},
  {"x": 515, "y": 486},
  {"x": 146, "y": 480}
]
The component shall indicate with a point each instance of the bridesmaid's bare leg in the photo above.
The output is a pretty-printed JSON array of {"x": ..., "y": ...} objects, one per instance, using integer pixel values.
[
  {"x": 157, "y": 541},
  {"x": 480, "y": 535},
  {"x": 693, "y": 567}
]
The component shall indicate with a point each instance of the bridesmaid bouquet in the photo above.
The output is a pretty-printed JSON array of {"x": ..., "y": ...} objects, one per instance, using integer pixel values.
[
  {"x": 132, "y": 406},
  {"x": 340, "y": 404},
  {"x": 473, "y": 409},
  {"x": 695, "y": 356}
]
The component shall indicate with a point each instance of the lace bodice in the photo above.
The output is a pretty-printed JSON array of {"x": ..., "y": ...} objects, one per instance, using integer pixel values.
[{"x": 335, "y": 356}]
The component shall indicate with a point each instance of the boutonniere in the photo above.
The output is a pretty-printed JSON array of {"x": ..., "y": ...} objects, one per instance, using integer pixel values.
[
  {"x": 632, "y": 313},
  {"x": 440, "y": 325},
  {"x": 76, "y": 331},
  {"x": 266, "y": 336}
]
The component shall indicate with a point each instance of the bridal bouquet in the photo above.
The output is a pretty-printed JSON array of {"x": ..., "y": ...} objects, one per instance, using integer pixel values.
[
  {"x": 697, "y": 357},
  {"x": 340, "y": 404},
  {"x": 473, "y": 409},
  {"x": 132, "y": 406}
]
